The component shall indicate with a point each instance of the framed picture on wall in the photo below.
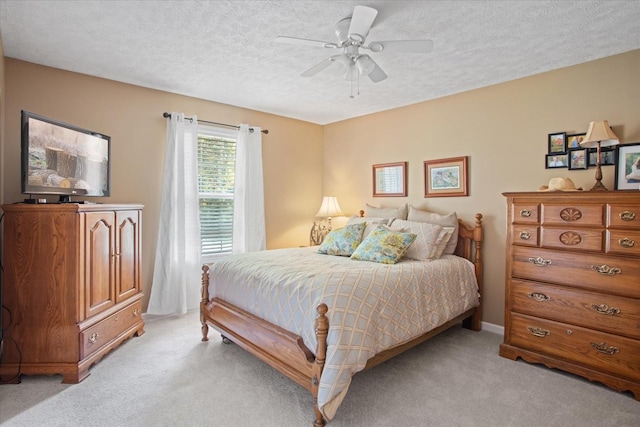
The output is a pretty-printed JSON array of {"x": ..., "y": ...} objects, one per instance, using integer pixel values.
[
  {"x": 553, "y": 161},
  {"x": 628, "y": 167},
  {"x": 390, "y": 180},
  {"x": 607, "y": 156},
  {"x": 574, "y": 140},
  {"x": 557, "y": 142},
  {"x": 578, "y": 159},
  {"x": 446, "y": 177}
]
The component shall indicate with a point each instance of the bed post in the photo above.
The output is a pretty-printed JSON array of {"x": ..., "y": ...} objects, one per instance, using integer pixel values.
[
  {"x": 475, "y": 322},
  {"x": 203, "y": 301},
  {"x": 322, "y": 329}
]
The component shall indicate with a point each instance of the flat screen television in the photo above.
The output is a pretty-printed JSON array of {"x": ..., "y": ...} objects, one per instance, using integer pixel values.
[{"x": 62, "y": 159}]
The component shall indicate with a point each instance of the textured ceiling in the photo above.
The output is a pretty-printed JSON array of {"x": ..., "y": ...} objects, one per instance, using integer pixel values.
[{"x": 224, "y": 51}]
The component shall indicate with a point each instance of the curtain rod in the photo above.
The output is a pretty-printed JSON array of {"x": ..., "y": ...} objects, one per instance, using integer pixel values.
[{"x": 167, "y": 115}]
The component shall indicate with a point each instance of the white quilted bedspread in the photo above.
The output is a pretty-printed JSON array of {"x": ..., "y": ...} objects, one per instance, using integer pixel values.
[{"x": 372, "y": 306}]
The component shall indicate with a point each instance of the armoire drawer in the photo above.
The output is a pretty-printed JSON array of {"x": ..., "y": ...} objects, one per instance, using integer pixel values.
[
  {"x": 609, "y": 313},
  {"x": 100, "y": 334},
  {"x": 613, "y": 275},
  {"x": 605, "y": 352}
]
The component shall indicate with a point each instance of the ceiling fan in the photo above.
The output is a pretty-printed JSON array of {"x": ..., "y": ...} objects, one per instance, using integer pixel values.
[{"x": 352, "y": 33}]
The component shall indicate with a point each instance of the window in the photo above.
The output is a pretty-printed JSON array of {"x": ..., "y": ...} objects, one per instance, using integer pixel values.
[{"x": 216, "y": 178}]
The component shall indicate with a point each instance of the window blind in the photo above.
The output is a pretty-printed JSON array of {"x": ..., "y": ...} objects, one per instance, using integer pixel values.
[{"x": 216, "y": 179}]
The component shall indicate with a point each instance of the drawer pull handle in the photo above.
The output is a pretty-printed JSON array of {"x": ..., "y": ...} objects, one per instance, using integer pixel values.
[
  {"x": 570, "y": 214},
  {"x": 538, "y": 296},
  {"x": 605, "y": 349},
  {"x": 93, "y": 338},
  {"x": 538, "y": 332},
  {"x": 627, "y": 216},
  {"x": 625, "y": 242},
  {"x": 136, "y": 312},
  {"x": 606, "y": 270},
  {"x": 605, "y": 309},
  {"x": 525, "y": 235},
  {"x": 539, "y": 262},
  {"x": 525, "y": 213}
]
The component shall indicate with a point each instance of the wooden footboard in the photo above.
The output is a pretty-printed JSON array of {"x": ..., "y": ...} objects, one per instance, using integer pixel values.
[
  {"x": 286, "y": 351},
  {"x": 270, "y": 343}
]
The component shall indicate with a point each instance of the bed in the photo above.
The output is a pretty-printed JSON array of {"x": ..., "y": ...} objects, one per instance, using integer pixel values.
[{"x": 319, "y": 319}]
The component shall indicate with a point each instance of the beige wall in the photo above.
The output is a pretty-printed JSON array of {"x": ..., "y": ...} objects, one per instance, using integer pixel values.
[
  {"x": 503, "y": 129},
  {"x": 132, "y": 116}
]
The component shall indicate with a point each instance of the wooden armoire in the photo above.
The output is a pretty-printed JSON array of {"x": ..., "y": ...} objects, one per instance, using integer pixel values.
[{"x": 71, "y": 286}]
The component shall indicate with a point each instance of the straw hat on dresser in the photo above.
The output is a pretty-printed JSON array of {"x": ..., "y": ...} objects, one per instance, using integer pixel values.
[{"x": 560, "y": 184}]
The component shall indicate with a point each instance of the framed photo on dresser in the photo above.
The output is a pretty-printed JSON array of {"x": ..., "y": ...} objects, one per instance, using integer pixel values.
[{"x": 628, "y": 167}]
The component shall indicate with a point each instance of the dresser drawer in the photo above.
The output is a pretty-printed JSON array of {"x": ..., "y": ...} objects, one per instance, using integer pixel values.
[
  {"x": 524, "y": 235},
  {"x": 583, "y": 215},
  {"x": 625, "y": 242},
  {"x": 613, "y": 275},
  {"x": 525, "y": 213},
  {"x": 624, "y": 216},
  {"x": 100, "y": 334},
  {"x": 573, "y": 239},
  {"x": 599, "y": 350},
  {"x": 609, "y": 313}
]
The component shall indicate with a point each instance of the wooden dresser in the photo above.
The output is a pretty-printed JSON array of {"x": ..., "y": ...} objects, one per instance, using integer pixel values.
[
  {"x": 572, "y": 291},
  {"x": 71, "y": 286}
]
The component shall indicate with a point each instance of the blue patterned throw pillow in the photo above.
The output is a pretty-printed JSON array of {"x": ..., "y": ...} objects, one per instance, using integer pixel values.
[
  {"x": 342, "y": 241},
  {"x": 384, "y": 245}
]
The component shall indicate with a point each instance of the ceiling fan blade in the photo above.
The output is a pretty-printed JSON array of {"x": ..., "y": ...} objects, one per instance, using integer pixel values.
[
  {"x": 305, "y": 42},
  {"x": 402, "y": 46},
  {"x": 361, "y": 22},
  {"x": 377, "y": 75},
  {"x": 321, "y": 65}
]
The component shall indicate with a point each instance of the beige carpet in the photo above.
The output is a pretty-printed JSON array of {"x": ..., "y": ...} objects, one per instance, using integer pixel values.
[{"x": 168, "y": 377}]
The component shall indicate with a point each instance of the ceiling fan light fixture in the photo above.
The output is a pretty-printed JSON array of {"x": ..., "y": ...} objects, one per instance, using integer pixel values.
[
  {"x": 365, "y": 64},
  {"x": 350, "y": 73}
]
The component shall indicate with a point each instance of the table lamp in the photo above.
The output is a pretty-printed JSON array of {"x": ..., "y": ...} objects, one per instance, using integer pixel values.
[
  {"x": 329, "y": 208},
  {"x": 599, "y": 135}
]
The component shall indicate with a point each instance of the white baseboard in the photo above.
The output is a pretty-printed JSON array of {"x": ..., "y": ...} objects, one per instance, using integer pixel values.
[{"x": 493, "y": 328}]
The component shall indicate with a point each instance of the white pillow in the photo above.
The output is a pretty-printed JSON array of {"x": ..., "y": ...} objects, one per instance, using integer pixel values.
[
  {"x": 430, "y": 241},
  {"x": 371, "y": 222},
  {"x": 400, "y": 213},
  {"x": 449, "y": 220},
  {"x": 443, "y": 241}
]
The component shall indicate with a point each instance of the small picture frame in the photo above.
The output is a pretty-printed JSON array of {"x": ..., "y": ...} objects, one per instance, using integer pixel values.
[
  {"x": 628, "y": 167},
  {"x": 446, "y": 177},
  {"x": 607, "y": 156},
  {"x": 557, "y": 142},
  {"x": 574, "y": 140},
  {"x": 577, "y": 159},
  {"x": 553, "y": 161},
  {"x": 390, "y": 180}
]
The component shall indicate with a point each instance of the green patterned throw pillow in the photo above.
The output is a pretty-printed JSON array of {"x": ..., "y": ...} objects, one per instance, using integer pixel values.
[
  {"x": 342, "y": 241},
  {"x": 384, "y": 245}
]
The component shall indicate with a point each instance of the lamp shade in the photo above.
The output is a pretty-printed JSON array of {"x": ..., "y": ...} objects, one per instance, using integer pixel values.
[
  {"x": 329, "y": 208},
  {"x": 599, "y": 132}
]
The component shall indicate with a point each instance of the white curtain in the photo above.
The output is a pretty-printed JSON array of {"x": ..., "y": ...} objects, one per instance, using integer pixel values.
[
  {"x": 176, "y": 275},
  {"x": 249, "y": 233}
]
